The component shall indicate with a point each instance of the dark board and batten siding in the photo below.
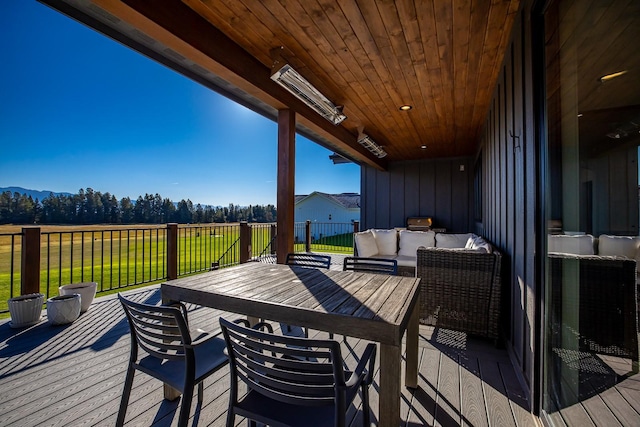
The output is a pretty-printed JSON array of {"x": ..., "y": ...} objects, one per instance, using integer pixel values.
[
  {"x": 441, "y": 189},
  {"x": 438, "y": 188},
  {"x": 508, "y": 158}
]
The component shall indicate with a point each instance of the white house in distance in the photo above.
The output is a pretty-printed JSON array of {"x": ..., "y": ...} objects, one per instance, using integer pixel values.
[{"x": 330, "y": 214}]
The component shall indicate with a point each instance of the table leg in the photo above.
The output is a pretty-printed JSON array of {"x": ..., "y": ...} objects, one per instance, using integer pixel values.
[
  {"x": 411, "y": 367},
  {"x": 389, "y": 403}
]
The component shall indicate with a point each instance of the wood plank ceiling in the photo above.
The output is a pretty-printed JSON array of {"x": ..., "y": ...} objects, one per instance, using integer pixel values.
[{"x": 441, "y": 57}]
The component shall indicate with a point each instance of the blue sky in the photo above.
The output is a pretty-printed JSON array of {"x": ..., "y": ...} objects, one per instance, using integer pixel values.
[{"x": 79, "y": 110}]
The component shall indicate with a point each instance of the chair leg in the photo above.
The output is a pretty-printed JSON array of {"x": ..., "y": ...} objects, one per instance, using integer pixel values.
[
  {"x": 185, "y": 406},
  {"x": 124, "y": 401},
  {"x": 200, "y": 392},
  {"x": 366, "y": 416},
  {"x": 231, "y": 418}
]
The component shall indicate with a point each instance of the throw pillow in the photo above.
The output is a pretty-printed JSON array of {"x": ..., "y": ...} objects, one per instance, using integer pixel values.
[
  {"x": 366, "y": 244},
  {"x": 387, "y": 241},
  {"x": 478, "y": 243},
  {"x": 625, "y": 246},
  {"x": 444, "y": 240},
  {"x": 410, "y": 241}
]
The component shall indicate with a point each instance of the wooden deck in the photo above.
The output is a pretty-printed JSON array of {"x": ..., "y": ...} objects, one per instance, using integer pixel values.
[{"x": 73, "y": 375}]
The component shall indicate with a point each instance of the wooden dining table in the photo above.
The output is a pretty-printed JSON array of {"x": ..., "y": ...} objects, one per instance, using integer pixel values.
[{"x": 374, "y": 307}]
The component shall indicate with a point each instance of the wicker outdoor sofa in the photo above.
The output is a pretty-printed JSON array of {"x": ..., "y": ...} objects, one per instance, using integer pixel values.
[
  {"x": 460, "y": 290},
  {"x": 602, "y": 290}
]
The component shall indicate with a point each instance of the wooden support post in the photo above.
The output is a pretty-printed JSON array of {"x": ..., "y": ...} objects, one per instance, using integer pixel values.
[
  {"x": 172, "y": 251},
  {"x": 307, "y": 236},
  {"x": 30, "y": 261},
  {"x": 245, "y": 242},
  {"x": 286, "y": 182},
  {"x": 274, "y": 246}
]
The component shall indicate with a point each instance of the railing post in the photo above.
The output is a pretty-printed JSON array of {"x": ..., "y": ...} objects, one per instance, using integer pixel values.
[
  {"x": 274, "y": 230},
  {"x": 356, "y": 229},
  {"x": 172, "y": 251},
  {"x": 307, "y": 232},
  {"x": 30, "y": 261},
  {"x": 245, "y": 242}
]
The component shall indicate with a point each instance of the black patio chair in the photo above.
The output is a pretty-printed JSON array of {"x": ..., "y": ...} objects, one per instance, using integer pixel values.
[
  {"x": 309, "y": 261},
  {"x": 293, "y": 381},
  {"x": 169, "y": 352},
  {"x": 371, "y": 265}
]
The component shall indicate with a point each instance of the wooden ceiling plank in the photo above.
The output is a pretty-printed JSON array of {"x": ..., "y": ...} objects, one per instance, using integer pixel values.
[
  {"x": 479, "y": 18},
  {"x": 329, "y": 18},
  {"x": 264, "y": 17},
  {"x": 382, "y": 81},
  {"x": 378, "y": 76},
  {"x": 400, "y": 94},
  {"x": 444, "y": 21},
  {"x": 367, "y": 81},
  {"x": 419, "y": 61},
  {"x": 491, "y": 58},
  {"x": 461, "y": 36},
  {"x": 302, "y": 46},
  {"x": 228, "y": 19},
  {"x": 393, "y": 22},
  {"x": 401, "y": 24},
  {"x": 427, "y": 23}
]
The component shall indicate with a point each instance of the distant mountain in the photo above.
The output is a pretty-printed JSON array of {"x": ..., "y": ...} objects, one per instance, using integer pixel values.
[{"x": 35, "y": 194}]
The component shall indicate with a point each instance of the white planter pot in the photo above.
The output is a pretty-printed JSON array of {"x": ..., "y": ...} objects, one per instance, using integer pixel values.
[
  {"x": 87, "y": 291},
  {"x": 25, "y": 310},
  {"x": 63, "y": 309}
]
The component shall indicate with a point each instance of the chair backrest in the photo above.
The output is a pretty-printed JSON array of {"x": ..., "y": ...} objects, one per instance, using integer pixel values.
[
  {"x": 160, "y": 331},
  {"x": 371, "y": 265},
  {"x": 308, "y": 260},
  {"x": 293, "y": 370}
]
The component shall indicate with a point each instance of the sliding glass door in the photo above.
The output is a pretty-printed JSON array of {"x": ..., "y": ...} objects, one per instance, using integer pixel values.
[{"x": 592, "y": 78}]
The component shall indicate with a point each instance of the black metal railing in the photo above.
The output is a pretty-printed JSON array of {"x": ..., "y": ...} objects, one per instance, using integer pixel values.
[
  {"x": 10, "y": 253},
  {"x": 116, "y": 258},
  {"x": 324, "y": 237}
]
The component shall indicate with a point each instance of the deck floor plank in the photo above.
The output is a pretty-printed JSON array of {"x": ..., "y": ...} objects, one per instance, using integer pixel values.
[
  {"x": 74, "y": 374},
  {"x": 498, "y": 408}
]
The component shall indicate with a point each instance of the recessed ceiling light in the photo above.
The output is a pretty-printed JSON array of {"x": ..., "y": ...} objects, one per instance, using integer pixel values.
[
  {"x": 424, "y": 147},
  {"x": 612, "y": 76},
  {"x": 406, "y": 107}
]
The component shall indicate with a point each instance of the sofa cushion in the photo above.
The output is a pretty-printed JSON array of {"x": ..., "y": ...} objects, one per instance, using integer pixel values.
[
  {"x": 478, "y": 243},
  {"x": 624, "y": 246},
  {"x": 366, "y": 244},
  {"x": 387, "y": 241},
  {"x": 574, "y": 244},
  {"x": 410, "y": 241},
  {"x": 406, "y": 260},
  {"x": 444, "y": 240}
]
